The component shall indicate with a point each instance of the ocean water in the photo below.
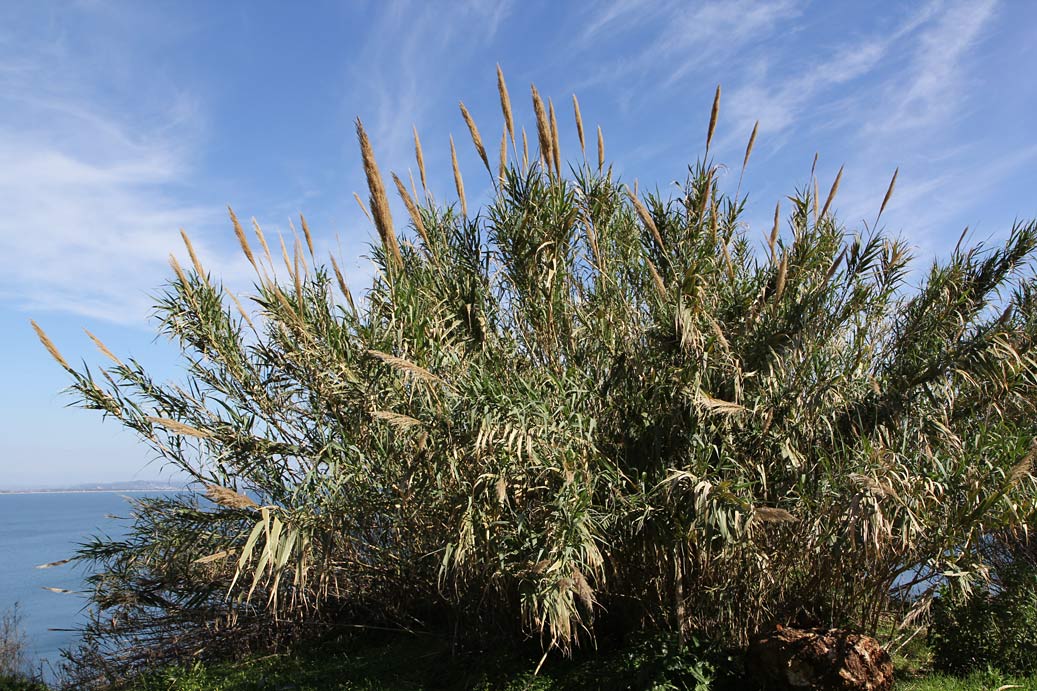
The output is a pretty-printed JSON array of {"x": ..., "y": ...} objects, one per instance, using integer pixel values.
[{"x": 40, "y": 528}]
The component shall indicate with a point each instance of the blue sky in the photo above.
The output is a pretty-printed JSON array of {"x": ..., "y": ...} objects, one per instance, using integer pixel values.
[{"x": 121, "y": 122}]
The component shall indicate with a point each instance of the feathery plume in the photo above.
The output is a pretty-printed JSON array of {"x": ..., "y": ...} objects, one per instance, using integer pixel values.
[
  {"x": 579, "y": 125},
  {"x": 769, "y": 514},
  {"x": 503, "y": 154},
  {"x": 194, "y": 257},
  {"x": 309, "y": 238},
  {"x": 407, "y": 366},
  {"x": 103, "y": 348},
  {"x": 412, "y": 209},
  {"x": 363, "y": 207},
  {"x": 241, "y": 309},
  {"x": 660, "y": 287},
  {"x": 379, "y": 201},
  {"x": 476, "y": 139},
  {"x": 773, "y": 240},
  {"x": 179, "y": 272},
  {"x": 421, "y": 160},
  {"x": 178, "y": 427},
  {"x": 555, "y": 148},
  {"x": 647, "y": 219},
  {"x": 832, "y": 192},
  {"x": 601, "y": 149},
  {"x": 262, "y": 241},
  {"x": 889, "y": 193},
  {"x": 242, "y": 239},
  {"x": 342, "y": 285},
  {"x": 49, "y": 345},
  {"x": 228, "y": 498},
  {"x": 779, "y": 283},
  {"x": 713, "y": 115},
  {"x": 505, "y": 104},
  {"x": 749, "y": 146},
  {"x": 543, "y": 127},
  {"x": 458, "y": 181}
]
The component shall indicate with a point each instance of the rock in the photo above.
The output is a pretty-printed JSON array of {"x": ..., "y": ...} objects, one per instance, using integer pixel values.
[{"x": 818, "y": 659}]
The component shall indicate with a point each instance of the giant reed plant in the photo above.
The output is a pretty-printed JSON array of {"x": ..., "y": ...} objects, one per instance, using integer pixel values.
[{"x": 577, "y": 408}]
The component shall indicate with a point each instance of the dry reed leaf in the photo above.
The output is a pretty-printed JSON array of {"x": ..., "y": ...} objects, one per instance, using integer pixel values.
[
  {"x": 412, "y": 209},
  {"x": 505, "y": 104},
  {"x": 713, "y": 116},
  {"x": 525, "y": 150},
  {"x": 420, "y": 157},
  {"x": 579, "y": 125},
  {"x": 59, "y": 591},
  {"x": 178, "y": 427},
  {"x": 832, "y": 192},
  {"x": 458, "y": 181},
  {"x": 407, "y": 366},
  {"x": 647, "y": 219},
  {"x": 601, "y": 149},
  {"x": 103, "y": 348},
  {"x": 543, "y": 127},
  {"x": 238, "y": 231},
  {"x": 476, "y": 138},
  {"x": 379, "y": 200},
  {"x": 52, "y": 564},
  {"x": 228, "y": 498},
  {"x": 556, "y": 149},
  {"x": 889, "y": 193}
]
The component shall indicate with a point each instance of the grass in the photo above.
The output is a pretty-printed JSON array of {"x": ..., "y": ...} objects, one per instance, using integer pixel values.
[{"x": 408, "y": 663}]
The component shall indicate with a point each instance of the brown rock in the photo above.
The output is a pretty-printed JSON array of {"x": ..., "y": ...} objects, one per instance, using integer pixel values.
[{"x": 818, "y": 659}]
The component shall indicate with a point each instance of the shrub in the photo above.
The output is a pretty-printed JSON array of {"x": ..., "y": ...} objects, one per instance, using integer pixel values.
[
  {"x": 15, "y": 674},
  {"x": 992, "y": 628},
  {"x": 576, "y": 410}
]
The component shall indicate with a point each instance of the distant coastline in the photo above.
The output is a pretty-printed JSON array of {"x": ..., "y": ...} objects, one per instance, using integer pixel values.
[{"x": 143, "y": 486}]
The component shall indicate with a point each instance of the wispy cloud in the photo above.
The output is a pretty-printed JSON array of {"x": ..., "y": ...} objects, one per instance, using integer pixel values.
[{"x": 935, "y": 83}]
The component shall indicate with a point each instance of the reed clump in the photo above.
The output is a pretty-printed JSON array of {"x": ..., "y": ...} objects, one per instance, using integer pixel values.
[{"x": 578, "y": 409}]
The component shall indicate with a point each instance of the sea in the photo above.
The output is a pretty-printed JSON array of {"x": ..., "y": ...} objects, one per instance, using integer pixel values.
[{"x": 40, "y": 528}]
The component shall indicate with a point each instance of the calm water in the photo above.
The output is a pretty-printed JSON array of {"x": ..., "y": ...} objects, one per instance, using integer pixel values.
[{"x": 40, "y": 528}]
